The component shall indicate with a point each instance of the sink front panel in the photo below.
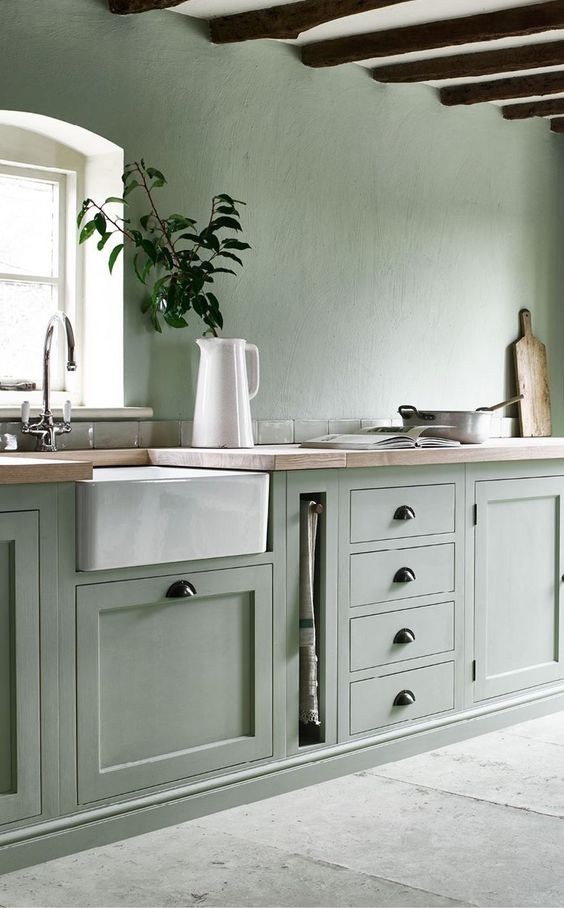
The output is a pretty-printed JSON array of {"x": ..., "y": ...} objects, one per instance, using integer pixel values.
[{"x": 153, "y": 515}]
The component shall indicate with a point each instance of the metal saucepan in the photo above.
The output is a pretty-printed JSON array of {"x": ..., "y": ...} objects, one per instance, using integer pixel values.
[{"x": 467, "y": 426}]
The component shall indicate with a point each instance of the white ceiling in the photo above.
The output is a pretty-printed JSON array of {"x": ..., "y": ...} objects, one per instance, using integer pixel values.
[{"x": 406, "y": 13}]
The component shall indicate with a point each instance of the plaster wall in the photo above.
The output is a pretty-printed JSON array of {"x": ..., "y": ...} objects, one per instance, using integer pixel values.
[{"x": 394, "y": 240}]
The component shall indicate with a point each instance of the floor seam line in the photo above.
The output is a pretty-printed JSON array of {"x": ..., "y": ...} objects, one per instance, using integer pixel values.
[
  {"x": 468, "y": 797},
  {"x": 378, "y": 877},
  {"x": 327, "y": 863}
]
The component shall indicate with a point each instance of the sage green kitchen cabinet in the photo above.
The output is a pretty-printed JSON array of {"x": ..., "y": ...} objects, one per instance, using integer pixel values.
[
  {"x": 172, "y": 688},
  {"x": 519, "y": 633},
  {"x": 20, "y": 748}
]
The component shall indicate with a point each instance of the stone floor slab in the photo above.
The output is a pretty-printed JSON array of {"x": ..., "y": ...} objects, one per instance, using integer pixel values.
[
  {"x": 188, "y": 865},
  {"x": 549, "y": 729},
  {"x": 501, "y": 768},
  {"x": 459, "y": 847}
]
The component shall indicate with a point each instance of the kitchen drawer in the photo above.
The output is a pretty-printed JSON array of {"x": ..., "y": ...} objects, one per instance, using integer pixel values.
[
  {"x": 406, "y": 634},
  {"x": 372, "y": 700},
  {"x": 402, "y": 512},
  {"x": 430, "y": 570}
]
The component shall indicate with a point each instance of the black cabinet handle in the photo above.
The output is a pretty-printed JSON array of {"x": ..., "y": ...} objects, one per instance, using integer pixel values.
[
  {"x": 181, "y": 589},
  {"x": 404, "y": 575},
  {"x": 405, "y": 635},
  {"x": 404, "y": 698},
  {"x": 404, "y": 512}
]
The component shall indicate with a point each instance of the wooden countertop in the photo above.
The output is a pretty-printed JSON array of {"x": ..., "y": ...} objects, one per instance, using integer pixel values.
[
  {"x": 68, "y": 466},
  {"x": 292, "y": 457},
  {"x": 25, "y": 469}
]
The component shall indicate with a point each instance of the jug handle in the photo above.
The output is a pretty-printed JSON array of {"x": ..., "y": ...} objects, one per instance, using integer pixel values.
[{"x": 253, "y": 369}]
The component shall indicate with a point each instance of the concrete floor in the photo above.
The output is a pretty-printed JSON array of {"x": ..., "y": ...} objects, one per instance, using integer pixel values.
[{"x": 478, "y": 823}]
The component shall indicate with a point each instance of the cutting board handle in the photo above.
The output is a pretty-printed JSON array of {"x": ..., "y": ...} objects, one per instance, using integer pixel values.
[{"x": 525, "y": 322}]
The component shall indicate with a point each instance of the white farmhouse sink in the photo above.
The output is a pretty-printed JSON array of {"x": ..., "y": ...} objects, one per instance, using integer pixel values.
[{"x": 129, "y": 516}]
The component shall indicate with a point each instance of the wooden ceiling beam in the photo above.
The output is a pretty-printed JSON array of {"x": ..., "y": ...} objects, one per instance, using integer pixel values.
[
  {"x": 288, "y": 21},
  {"x": 485, "y": 63},
  {"x": 522, "y": 20},
  {"x": 557, "y": 125},
  {"x": 503, "y": 89},
  {"x": 125, "y": 7},
  {"x": 553, "y": 107}
]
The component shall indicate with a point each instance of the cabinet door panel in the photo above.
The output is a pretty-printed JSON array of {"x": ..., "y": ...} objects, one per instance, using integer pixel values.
[
  {"x": 518, "y": 585},
  {"x": 20, "y": 793},
  {"x": 170, "y": 688}
]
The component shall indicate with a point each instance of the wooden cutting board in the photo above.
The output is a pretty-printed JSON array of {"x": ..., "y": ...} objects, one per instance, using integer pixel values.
[{"x": 532, "y": 381}]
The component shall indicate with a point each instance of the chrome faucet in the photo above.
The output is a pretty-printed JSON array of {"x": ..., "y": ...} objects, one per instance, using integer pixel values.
[{"x": 45, "y": 428}]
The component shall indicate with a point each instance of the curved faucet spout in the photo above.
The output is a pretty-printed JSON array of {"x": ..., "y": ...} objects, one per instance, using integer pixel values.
[{"x": 56, "y": 318}]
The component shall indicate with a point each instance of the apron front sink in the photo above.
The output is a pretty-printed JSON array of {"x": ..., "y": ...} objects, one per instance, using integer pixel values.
[{"x": 129, "y": 516}]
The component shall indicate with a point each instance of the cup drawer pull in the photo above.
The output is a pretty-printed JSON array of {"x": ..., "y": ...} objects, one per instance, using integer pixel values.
[
  {"x": 181, "y": 589},
  {"x": 405, "y": 635},
  {"x": 404, "y": 575},
  {"x": 404, "y": 512},
  {"x": 404, "y": 698}
]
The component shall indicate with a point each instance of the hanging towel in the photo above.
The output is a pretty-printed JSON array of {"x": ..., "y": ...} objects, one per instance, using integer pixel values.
[{"x": 309, "y": 701}]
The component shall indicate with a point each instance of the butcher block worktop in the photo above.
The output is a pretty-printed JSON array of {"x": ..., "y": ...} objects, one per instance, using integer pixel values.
[
  {"x": 68, "y": 466},
  {"x": 39, "y": 468},
  {"x": 292, "y": 457}
]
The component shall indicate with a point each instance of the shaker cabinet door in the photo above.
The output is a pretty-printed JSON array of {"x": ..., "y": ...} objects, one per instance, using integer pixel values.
[
  {"x": 20, "y": 758},
  {"x": 174, "y": 678},
  {"x": 519, "y": 635}
]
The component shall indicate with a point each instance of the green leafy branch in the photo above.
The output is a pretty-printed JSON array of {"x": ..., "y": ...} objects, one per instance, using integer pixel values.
[{"x": 176, "y": 262}]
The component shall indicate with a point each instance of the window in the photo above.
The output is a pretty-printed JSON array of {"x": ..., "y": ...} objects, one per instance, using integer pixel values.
[
  {"x": 47, "y": 167},
  {"x": 33, "y": 268}
]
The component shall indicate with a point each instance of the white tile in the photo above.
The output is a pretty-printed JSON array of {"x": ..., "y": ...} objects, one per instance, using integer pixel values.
[
  {"x": 275, "y": 432},
  {"x": 116, "y": 434},
  {"x": 186, "y": 433},
  {"x": 80, "y": 438},
  {"x": 160, "y": 433},
  {"x": 304, "y": 429},
  {"x": 344, "y": 426}
]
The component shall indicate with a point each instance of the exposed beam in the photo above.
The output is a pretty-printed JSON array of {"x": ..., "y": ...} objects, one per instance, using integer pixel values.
[
  {"x": 485, "y": 63},
  {"x": 288, "y": 21},
  {"x": 557, "y": 125},
  {"x": 502, "y": 89},
  {"x": 124, "y": 7},
  {"x": 554, "y": 107},
  {"x": 522, "y": 20}
]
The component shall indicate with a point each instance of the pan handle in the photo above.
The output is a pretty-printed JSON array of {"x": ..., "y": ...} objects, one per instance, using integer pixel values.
[{"x": 407, "y": 411}]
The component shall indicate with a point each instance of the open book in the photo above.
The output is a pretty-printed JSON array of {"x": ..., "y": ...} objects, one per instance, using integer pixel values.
[{"x": 383, "y": 437}]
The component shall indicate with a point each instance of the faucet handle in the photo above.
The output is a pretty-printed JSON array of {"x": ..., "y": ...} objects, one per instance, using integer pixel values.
[
  {"x": 25, "y": 412},
  {"x": 67, "y": 409}
]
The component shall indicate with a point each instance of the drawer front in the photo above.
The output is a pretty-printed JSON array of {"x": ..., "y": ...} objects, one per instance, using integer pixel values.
[
  {"x": 425, "y": 570},
  {"x": 402, "y": 512},
  {"x": 373, "y": 702},
  {"x": 406, "y": 634}
]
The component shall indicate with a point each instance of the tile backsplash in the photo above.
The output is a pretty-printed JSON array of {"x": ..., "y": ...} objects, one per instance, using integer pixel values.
[{"x": 172, "y": 433}]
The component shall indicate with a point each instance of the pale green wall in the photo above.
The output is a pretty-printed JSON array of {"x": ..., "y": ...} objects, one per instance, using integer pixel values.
[{"x": 394, "y": 240}]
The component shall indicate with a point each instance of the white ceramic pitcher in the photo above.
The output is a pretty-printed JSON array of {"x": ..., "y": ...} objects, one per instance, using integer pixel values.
[{"x": 222, "y": 415}]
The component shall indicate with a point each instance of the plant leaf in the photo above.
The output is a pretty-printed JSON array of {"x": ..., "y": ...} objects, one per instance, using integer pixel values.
[
  {"x": 229, "y": 255},
  {"x": 100, "y": 222},
  {"x": 234, "y": 244},
  {"x": 87, "y": 231},
  {"x": 230, "y": 223},
  {"x": 101, "y": 243},
  {"x": 114, "y": 256}
]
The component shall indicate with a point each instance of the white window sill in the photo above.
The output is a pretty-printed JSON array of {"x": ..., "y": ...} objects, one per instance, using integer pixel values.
[{"x": 8, "y": 413}]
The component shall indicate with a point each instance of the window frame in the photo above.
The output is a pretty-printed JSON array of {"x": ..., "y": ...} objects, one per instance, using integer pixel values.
[{"x": 65, "y": 283}]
